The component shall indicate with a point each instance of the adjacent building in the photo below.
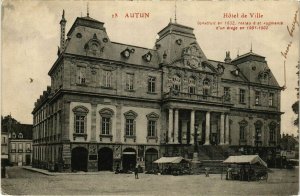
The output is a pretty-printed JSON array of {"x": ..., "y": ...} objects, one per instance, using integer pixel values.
[
  {"x": 20, "y": 145},
  {"x": 112, "y": 104}
]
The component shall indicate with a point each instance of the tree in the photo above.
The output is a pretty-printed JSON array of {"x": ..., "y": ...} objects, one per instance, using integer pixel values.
[
  {"x": 7, "y": 122},
  {"x": 295, "y": 108}
]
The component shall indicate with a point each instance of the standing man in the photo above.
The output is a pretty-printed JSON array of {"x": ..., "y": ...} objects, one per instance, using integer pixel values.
[{"x": 136, "y": 171}]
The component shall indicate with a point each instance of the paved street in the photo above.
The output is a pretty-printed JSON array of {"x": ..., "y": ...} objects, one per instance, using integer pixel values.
[{"x": 23, "y": 182}]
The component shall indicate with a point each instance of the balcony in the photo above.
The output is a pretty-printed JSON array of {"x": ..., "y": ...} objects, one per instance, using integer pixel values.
[{"x": 195, "y": 97}]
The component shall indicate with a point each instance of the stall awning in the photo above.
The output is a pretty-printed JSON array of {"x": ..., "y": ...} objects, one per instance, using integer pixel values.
[
  {"x": 245, "y": 159},
  {"x": 170, "y": 160}
]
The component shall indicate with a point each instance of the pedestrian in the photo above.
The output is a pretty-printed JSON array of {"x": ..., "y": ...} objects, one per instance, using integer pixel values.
[
  {"x": 207, "y": 171},
  {"x": 136, "y": 171}
]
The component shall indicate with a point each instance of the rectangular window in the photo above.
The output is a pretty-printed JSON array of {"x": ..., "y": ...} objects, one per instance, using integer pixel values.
[
  {"x": 129, "y": 81},
  {"x": 271, "y": 99},
  {"x": 105, "y": 126},
  {"x": 79, "y": 123},
  {"x": 13, "y": 158},
  {"x": 20, "y": 146},
  {"x": 129, "y": 127},
  {"x": 242, "y": 96},
  {"x": 151, "y": 128},
  {"x": 151, "y": 84},
  {"x": 192, "y": 89},
  {"x": 13, "y": 146},
  {"x": 20, "y": 158},
  {"x": 242, "y": 132},
  {"x": 272, "y": 135},
  {"x": 81, "y": 75},
  {"x": 257, "y": 98},
  {"x": 107, "y": 76},
  {"x": 3, "y": 140},
  {"x": 227, "y": 93},
  {"x": 28, "y": 147}
]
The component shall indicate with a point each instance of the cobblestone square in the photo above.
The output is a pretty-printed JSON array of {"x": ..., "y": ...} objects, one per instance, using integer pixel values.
[{"x": 23, "y": 182}]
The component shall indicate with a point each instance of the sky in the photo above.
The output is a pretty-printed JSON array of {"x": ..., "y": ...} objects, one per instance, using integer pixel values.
[{"x": 30, "y": 33}]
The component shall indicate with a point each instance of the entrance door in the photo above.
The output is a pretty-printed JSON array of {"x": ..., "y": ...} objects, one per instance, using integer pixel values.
[
  {"x": 150, "y": 156},
  {"x": 105, "y": 159},
  {"x": 79, "y": 159},
  {"x": 129, "y": 159},
  {"x": 27, "y": 159}
]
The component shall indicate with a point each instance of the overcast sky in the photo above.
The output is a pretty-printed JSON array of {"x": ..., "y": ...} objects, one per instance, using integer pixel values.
[{"x": 30, "y": 36}]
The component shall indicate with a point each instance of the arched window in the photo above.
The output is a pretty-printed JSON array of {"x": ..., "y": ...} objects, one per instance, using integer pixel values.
[
  {"x": 258, "y": 133},
  {"x": 192, "y": 85},
  {"x": 206, "y": 87},
  {"x": 176, "y": 82},
  {"x": 272, "y": 129},
  {"x": 243, "y": 124}
]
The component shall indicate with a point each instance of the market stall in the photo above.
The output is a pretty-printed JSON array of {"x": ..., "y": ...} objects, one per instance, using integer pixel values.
[
  {"x": 173, "y": 165},
  {"x": 245, "y": 167}
]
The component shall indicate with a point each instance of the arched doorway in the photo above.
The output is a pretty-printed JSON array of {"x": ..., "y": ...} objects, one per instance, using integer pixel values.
[
  {"x": 105, "y": 159},
  {"x": 150, "y": 156},
  {"x": 79, "y": 159},
  {"x": 129, "y": 159}
]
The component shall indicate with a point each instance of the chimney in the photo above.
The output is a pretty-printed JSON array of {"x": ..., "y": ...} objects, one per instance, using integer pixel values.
[
  {"x": 227, "y": 59},
  {"x": 62, "y": 32}
]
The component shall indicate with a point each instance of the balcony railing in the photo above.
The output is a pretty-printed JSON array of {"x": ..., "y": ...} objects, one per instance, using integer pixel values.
[{"x": 195, "y": 97}]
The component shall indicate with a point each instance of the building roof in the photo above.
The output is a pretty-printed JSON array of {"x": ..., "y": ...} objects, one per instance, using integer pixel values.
[
  {"x": 245, "y": 159},
  {"x": 25, "y": 129}
]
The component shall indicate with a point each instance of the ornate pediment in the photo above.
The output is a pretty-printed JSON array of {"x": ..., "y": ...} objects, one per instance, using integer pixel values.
[{"x": 192, "y": 56}]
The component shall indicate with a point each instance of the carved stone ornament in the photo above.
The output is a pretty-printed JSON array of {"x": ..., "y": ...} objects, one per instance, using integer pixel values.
[{"x": 192, "y": 57}]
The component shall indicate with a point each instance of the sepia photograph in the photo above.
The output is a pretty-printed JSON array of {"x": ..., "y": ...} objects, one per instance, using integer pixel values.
[{"x": 150, "y": 97}]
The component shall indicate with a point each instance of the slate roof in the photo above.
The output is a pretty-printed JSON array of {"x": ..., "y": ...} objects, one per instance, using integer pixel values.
[
  {"x": 110, "y": 50},
  {"x": 229, "y": 68},
  {"x": 25, "y": 129}
]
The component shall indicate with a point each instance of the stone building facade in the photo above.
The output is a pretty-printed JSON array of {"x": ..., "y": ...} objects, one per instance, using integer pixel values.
[{"x": 113, "y": 105}]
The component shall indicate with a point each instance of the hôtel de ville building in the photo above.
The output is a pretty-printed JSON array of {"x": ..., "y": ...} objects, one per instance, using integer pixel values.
[{"x": 114, "y": 105}]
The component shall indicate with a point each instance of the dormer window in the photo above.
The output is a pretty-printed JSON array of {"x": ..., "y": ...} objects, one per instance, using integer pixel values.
[
  {"x": 13, "y": 135},
  {"x": 220, "y": 68},
  {"x": 179, "y": 41},
  {"x": 126, "y": 53},
  {"x": 147, "y": 57},
  {"x": 236, "y": 72},
  {"x": 20, "y": 136},
  {"x": 264, "y": 76}
]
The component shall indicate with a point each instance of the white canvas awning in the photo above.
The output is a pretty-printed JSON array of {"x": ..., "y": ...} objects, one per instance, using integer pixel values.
[
  {"x": 170, "y": 160},
  {"x": 245, "y": 159}
]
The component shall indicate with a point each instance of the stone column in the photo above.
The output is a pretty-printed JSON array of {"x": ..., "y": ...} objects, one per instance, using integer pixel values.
[
  {"x": 192, "y": 127},
  {"x": 227, "y": 129},
  {"x": 222, "y": 128},
  {"x": 176, "y": 119},
  {"x": 207, "y": 128},
  {"x": 170, "y": 128}
]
